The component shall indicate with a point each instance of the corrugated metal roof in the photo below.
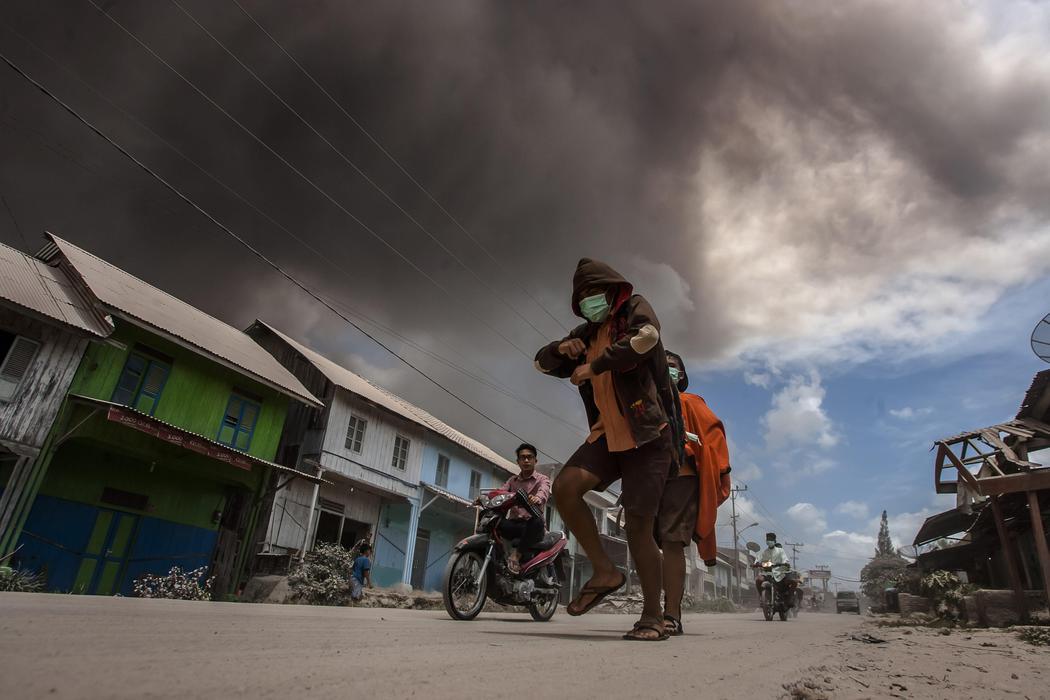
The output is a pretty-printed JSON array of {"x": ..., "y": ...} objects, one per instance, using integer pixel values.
[
  {"x": 1033, "y": 402},
  {"x": 447, "y": 494},
  {"x": 356, "y": 384},
  {"x": 127, "y": 294},
  {"x": 46, "y": 291}
]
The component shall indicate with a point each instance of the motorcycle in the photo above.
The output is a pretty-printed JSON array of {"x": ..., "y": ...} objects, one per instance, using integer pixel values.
[
  {"x": 776, "y": 599},
  {"x": 477, "y": 568}
]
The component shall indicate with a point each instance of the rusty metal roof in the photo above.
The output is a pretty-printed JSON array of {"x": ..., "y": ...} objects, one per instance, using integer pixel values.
[
  {"x": 142, "y": 303},
  {"x": 356, "y": 384},
  {"x": 1035, "y": 403},
  {"x": 35, "y": 288}
]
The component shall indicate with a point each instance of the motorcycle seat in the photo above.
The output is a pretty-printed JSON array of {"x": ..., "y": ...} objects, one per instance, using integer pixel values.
[{"x": 549, "y": 540}]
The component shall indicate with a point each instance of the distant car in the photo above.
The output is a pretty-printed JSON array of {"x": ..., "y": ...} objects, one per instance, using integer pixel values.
[{"x": 847, "y": 601}]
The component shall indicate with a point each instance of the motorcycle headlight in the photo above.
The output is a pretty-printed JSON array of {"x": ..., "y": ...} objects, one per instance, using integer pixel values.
[{"x": 497, "y": 501}]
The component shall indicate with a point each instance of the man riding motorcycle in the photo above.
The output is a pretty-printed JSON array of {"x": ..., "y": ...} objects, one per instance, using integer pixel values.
[
  {"x": 775, "y": 555},
  {"x": 522, "y": 527}
]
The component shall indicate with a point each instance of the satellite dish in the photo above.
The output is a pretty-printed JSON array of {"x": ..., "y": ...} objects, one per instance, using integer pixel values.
[
  {"x": 1041, "y": 339},
  {"x": 754, "y": 547}
]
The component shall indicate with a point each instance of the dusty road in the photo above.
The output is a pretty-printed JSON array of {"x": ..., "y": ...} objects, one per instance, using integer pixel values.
[{"x": 58, "y": 646}]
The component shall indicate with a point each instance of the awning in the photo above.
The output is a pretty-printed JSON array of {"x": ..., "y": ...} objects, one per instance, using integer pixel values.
[
  {"x": 956, "y": 556},
  {"x": 438, "y": 492},
  {"x": 949, "y": 522},
  {"x": 145, "y": 423}
]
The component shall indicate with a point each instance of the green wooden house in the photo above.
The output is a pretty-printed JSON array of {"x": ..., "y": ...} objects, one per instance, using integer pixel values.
[{"x": 164, "y": 449}]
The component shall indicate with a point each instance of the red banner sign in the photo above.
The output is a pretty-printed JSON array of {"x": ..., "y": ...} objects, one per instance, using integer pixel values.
[{"x": 178, "y": 437}]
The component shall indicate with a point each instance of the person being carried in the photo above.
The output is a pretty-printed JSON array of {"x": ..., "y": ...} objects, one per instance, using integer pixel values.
[
  {"x": 617, "y": 361},
  {"x": 775, "y": 555},
  {"x": 521, "y": 525},
  {"x": 689, "y": 507},
  {"x": 361, "y": 574}
]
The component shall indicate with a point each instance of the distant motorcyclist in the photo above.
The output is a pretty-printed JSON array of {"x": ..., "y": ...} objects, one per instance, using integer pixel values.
[{"x": 775, "y": 555}]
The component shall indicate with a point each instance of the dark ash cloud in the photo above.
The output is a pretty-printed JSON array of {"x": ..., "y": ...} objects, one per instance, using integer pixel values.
[{"x": 762, "y": 170}]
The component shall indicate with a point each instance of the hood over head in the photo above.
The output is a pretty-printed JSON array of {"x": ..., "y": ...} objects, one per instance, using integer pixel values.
[
  {"x": 594, "y": 273},
  {"x": 683, "y": 377}
]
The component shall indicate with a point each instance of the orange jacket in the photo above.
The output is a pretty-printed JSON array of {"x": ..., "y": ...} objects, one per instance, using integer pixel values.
[{"x": 712, "y": 464}]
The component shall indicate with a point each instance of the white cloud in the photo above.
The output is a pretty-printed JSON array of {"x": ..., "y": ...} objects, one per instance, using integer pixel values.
[
  {"x": 810, "y": 518},
  {"x": 744, "y": 466},
  {"x": 749, "y": 471},
  {"x": 855, "y": 509},
  {"x": 762, "y": 379},
  {"x": 890, "y": 257},
  {"x": 797, "y": 417},
  {"x": 909, "y": 412}
]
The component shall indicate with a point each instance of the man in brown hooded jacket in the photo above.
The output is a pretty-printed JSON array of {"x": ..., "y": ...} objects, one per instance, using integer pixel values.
[{"x": 617, "y": 360}]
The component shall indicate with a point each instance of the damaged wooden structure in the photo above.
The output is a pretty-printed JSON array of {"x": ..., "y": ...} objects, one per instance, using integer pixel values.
[{"x": 996, "y": 534}]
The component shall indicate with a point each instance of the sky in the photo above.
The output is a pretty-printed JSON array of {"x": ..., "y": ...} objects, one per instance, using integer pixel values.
[{"x": 839, "y": 210}]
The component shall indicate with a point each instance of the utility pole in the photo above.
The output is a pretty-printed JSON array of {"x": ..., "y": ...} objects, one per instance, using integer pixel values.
[
  {"x": 795, "y": 546},
  {"x": 735, "y": 597}
]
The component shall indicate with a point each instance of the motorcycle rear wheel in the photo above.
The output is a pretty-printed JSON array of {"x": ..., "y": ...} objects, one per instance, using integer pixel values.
[
  {"x": 544, "y": 611},
  {"x": 464, "y": 597},
  {"x": 783, "y": 615}
]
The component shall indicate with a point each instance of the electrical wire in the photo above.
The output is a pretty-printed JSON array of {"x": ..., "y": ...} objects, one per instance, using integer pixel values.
[
  {"x": 490, "y": 382},
  {"x": 299, "y": 172},
  {"x": 391, "y": 157},
  {"x": 257, "y": 253},
  {"x": 346, "y": 159}
]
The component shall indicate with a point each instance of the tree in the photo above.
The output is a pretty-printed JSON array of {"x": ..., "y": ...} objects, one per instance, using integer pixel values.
[
  {"x": 885, "y": 545},
  {"x": 881, "y": 573},
  {"x": 887, "y": 566}
]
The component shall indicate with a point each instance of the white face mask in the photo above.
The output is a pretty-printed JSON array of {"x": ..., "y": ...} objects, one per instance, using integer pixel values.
[{"x": 770, "y": 545}]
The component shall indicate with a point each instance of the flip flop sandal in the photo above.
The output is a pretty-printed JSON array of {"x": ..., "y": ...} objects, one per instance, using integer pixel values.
[
  {"x": 635, "y": 634},
  {"x": 676, "y": 629},
  {"x": 599, "y": 593}
]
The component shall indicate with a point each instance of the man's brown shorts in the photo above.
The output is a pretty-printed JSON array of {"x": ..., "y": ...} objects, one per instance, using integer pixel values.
[
  {"x": 644, "y": 470},
  {"x": 678, "y": 510}
]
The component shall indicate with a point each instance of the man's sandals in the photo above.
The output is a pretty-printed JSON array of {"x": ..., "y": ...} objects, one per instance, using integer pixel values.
[
  {"x": 643, "y": 628},
  {"x": 673, "y": 626},
  {"x": 598, "y": 594}
]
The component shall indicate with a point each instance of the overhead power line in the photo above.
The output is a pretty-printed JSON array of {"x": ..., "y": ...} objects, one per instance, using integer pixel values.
[
  {"x": 488, "y": 380},
  {"x": 346, "y": 159},
  {"x": 324, "y": 193},
  {"x": 257, "y": 253},
  {"x": 392, "y": 159}
]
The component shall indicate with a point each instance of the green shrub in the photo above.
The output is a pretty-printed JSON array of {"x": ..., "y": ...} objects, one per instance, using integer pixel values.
[
  {"x": 947, "y": 592},
  {"x": 1039, "y": 636},
  {"x": 175, "y": 585},
  {"x": 323, "y": 578},
  {"x": 20, "y": 581}
]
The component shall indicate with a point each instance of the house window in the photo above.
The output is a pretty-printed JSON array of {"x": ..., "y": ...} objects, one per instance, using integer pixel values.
[
  {"x": 475, "y": 484},
  {"x": 238, "y": 423},
  {"x": 355, "y": 434},
  {"x": 16, "y": 355},
  {"x": 142, "y": 381},
  {"x": 442, "y": 472},
  {"x": 400, "y": 460}
]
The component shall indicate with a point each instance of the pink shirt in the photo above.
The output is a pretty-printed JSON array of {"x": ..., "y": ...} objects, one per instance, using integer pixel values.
[{"x": 536, "y": 485}]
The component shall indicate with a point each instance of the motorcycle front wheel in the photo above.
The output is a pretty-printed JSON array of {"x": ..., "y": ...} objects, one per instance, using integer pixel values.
[
  {"x": 783, "y": 615},
  {"x": 462, "y": 592},
  {"x": 767, "y": 611}
]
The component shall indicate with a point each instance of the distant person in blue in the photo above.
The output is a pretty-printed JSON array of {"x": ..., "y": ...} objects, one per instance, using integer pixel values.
[{"x": 361, "y": 573}]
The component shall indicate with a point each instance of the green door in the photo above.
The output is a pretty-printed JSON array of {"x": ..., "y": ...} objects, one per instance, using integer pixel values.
[{"x": 106, "y": 553}]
